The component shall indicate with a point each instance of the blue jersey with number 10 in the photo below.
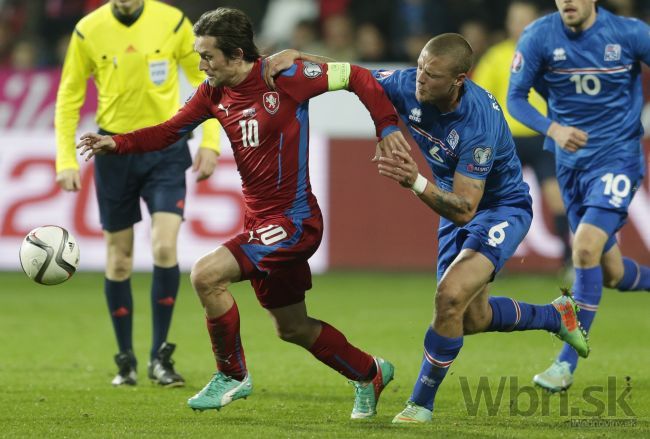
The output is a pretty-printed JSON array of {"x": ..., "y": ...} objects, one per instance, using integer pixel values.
[
  {"x": 591, "y": 80},
  {"x": 473, "y": 140}
]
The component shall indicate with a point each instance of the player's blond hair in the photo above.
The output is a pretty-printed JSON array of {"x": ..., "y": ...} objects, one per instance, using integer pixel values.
[{"x": 454, "y": 46}]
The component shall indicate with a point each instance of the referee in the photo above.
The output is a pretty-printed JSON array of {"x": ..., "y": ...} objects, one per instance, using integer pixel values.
[{"x": 132, "y": 49}]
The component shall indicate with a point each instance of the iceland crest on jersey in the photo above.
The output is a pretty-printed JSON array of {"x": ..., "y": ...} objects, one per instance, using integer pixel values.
[
  {"x": 271, "y": 101},
  {"x": 612, "y": 52},
  {"x": 452, "y": 139},
  {"x": 384, "y": 74}
]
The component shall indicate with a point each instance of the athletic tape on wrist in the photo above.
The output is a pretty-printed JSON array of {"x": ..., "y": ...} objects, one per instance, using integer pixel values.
[{"x": 419, "y": 185}]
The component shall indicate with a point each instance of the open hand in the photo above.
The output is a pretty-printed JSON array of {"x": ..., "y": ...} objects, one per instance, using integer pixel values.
[
  {"x": 395, "y": 141},
  {"x": 400, "y": 167},
  {"x": 569, "y": 138},
  {"x": 69, "y": 180},
  {"x": 276, "y": 63},
  {"x": 205, "y": 161},
  {"x": 92, "y": 144}
]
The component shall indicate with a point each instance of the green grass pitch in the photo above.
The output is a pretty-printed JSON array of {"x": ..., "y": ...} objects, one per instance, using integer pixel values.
[{"x": 56, "y": 348}]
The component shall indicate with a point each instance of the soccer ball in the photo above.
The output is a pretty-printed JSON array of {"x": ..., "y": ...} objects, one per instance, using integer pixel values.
[{"x": 49, "y": 255}]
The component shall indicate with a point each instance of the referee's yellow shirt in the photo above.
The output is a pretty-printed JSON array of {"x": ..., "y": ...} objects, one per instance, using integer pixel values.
[
  {"x": 135, "y": 70},
  {"x": 493, "y": 73}
]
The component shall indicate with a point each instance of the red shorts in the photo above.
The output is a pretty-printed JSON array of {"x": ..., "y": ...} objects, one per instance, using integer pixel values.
[{"x": 272, "y": 253}]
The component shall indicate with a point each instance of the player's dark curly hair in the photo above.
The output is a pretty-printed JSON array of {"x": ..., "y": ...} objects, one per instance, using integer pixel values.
[
  {"x": 232, "y": 29},
  {"x": 454, "y": 46}
]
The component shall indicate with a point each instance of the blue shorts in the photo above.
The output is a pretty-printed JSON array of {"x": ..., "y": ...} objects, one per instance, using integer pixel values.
[
  {"x": 495, "y": 233},
  {"x": 600, "y": 196},
  {"x": 156, "y": 177}
]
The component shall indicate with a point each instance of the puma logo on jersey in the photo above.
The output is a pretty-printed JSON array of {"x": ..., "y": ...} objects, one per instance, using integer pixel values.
[
  {"x": 252, "y": 237},
  {"x": 225, "y": 109}
]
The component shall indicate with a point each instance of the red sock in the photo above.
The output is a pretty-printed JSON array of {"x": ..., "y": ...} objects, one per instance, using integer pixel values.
[
  {"x": 332, "y": 348},
  {"x": 226, "y": 343}
]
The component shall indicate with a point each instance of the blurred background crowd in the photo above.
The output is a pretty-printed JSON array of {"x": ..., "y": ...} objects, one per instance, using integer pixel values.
[{"x": 35, "y": 33}]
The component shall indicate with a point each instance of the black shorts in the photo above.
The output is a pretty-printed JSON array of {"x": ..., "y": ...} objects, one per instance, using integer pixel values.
[
  {"x": 532, "y": 154},
  {"x": 156, "y": 177}
]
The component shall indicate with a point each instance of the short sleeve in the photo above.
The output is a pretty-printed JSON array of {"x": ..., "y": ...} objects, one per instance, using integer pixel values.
[
  {"x": 304, "y": 80},
  {"x": 527, "y": 61},
  {"x": 476, "y": 158},
  {"x": 640, "y": 40}
]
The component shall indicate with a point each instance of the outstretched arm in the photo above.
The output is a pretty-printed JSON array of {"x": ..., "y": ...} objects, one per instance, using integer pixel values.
[
  {"x": 153, "y": 138},
  {"x": 458, "y": 206},
  {"x": 305, "y": 80}
]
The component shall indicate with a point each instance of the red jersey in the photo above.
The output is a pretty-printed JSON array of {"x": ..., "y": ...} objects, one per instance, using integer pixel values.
[{"x": 268, "y": 131}]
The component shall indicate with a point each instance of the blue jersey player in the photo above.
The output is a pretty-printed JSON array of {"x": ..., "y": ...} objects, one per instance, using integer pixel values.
[
  {"x": 485, "y": 208},
  {"x": 586, "y": 61}
]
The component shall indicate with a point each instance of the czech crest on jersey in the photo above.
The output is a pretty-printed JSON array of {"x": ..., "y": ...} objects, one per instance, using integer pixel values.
[{"x": 271, "y": 101}]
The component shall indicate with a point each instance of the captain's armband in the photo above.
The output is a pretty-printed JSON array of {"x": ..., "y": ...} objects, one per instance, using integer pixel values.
[{"x": 338, "y": 75}]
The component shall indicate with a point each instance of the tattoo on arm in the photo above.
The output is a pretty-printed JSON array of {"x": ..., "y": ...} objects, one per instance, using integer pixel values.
[{"x": 450, "y": 205}]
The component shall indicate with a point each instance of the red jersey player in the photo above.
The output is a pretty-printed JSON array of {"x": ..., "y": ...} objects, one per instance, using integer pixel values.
[{"x": 269, "y": 133}]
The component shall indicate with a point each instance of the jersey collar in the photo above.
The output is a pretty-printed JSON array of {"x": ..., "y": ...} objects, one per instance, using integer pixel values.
[{"x": 127, "y": 20}]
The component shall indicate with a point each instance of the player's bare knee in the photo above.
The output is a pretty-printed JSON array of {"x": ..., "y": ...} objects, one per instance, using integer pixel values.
[
  {"x": 207, "y": 279},
  {"x": 164, "y": 253},
  {"x": 292, "y": 334},
  {"x": 448, "y": 304},
  {"x": 119, "y": 269},
  {"x": 585, "y": 256}
]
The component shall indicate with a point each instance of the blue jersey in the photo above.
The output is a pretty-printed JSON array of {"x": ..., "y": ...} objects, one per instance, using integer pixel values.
[
  {"x": 473, "y": 140},
  {"x": 591, "y": 80}
]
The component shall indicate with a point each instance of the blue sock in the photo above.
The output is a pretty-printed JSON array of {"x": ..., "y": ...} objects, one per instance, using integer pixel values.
[
  {"x": 439, "y": 353},
  {"x": 587, "y": 289},
  {"x": 120, "y": 305},
  {"x": 164, "y": 290},
  {"x": 511, "y": 315},
  {"x": 635, "y": 277}
]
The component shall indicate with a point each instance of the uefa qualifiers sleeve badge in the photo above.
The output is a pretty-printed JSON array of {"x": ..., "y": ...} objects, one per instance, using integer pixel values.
[
  {"x": 312, "y": 70},
  {"x": 517, "y": 62}
]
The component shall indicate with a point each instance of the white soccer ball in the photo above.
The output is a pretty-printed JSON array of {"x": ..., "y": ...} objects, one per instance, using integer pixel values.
[{"x": 49, "y": 255}]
